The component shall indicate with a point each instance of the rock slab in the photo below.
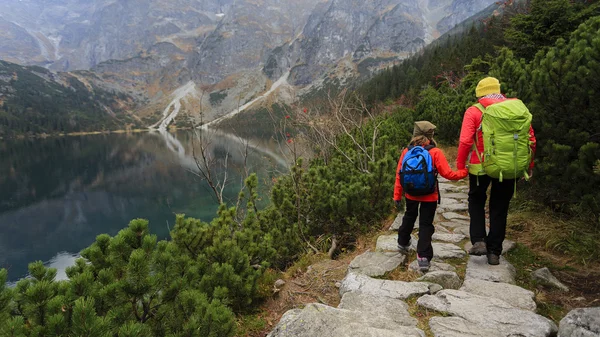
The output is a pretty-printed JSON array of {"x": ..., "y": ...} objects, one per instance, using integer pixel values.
[
  {"x": 376, "y": 263},
  {"x": 447, "y": 279},
  {"x": 395, "y": 310},
  {"x": 435, "y": 266},
  {"x": 584, "y": 322},
  {"x": 447, "y": 251},
  {"x": 446, "y": 237},
  {"x": 455, "y": 216},
  {"x": 389, "y": 243},
  {"x": 479, "y": 269},
  {"x": 384, "y": 288},
  {"x": 511, "y": 294},
  {"x": 324, "y": 321},
  {"x": 507, "y": 246},
  {"x": 476, "y": 313}
]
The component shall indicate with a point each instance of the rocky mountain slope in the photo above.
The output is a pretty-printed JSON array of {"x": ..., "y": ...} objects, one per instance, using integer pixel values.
[{"x": 229, "y": 51}]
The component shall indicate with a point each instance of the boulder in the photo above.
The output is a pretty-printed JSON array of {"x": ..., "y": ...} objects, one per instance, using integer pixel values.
[
  {"x": 478, "y": 313},
  {"x": 447, "y": 279},
  {"x": 383, "y": 288},
  {"x": 479, "y": 269},
  {"x": 509, "y": 293},
  {"x": 376, "y": 263},
  {"x": 584, "y": 322},
  {"x": 544, "y": 276}
]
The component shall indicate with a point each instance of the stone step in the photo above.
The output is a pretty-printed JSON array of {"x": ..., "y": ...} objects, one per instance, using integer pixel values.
[
  {"x": 325, "y": 321},
  {"x": 446, "y": 237},
  {"x": 455, "y": 216},
  {"x": 512, "y": 294},
  {"x": 507, "y": 246},
  {"x": 482, "y": 316},
  {"x": 435, "y": 266},
  {"x": 376, "y": 263},
  {"x": 385, "y": 288},
  {"x": 446, "y": 279},
  {"x": 479, "y": 269},
  {"x": 447, "y": 251}
]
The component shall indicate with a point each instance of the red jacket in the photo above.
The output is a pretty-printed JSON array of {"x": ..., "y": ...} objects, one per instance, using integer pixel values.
[
  {"x": 443, "y": 168},
  {"x": 470, "y": 126}
]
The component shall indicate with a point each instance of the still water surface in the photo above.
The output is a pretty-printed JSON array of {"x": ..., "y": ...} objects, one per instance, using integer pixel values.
[{"x": 58, "y": 194}]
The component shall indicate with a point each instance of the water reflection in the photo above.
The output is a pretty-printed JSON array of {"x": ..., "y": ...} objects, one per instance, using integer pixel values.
[{"x": 58, "y": 194}]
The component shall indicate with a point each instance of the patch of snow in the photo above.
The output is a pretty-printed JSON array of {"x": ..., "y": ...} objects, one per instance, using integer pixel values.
[{"x": 220, "y": 15}]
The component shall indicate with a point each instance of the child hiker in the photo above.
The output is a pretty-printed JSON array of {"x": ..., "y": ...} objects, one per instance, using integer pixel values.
[{"x": 417, "y": 178}]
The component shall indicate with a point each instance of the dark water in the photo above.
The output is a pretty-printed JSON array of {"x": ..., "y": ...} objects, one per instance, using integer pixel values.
[{"x": 58, "y": 194}]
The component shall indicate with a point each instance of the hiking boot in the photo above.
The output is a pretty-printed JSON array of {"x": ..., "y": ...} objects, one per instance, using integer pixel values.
[
  {"x": 404, "y": 248},
  {"x": 493, "y": 259},
  {"x": 479, "y": 248},
  {"x": 423, "y": 263}
]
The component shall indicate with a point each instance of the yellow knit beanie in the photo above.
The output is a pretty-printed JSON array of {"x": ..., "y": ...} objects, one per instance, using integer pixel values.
[{"x": 487, "y": 86}]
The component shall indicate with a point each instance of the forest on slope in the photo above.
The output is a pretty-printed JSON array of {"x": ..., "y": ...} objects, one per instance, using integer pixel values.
[{"x": 196, "y": 283}]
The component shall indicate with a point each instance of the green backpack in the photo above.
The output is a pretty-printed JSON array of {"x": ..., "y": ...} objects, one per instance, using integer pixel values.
[{"x": 506, "y": 146}]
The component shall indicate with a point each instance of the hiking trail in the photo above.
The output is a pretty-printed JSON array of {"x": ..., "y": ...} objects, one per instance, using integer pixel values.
[{"x": 483, "y": 302}]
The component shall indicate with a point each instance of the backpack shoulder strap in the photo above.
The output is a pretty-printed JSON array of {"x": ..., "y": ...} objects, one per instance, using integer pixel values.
[{"x": 479, "y": 106}]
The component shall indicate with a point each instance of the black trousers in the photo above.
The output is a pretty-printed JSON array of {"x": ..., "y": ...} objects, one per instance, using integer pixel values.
[
  {"x": 426, "y": 228},
  {"x": 500, "y": 196}
]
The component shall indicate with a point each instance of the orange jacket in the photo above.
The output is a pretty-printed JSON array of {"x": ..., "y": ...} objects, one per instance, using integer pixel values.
[
  {"x": 470, "y": 127},
  {"x": 443, "y": 168}
]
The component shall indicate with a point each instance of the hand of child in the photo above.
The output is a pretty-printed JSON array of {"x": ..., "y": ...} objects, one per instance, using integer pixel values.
[
  {"x": 463, "y": 172},
  {"x": 398, "y": 205}
]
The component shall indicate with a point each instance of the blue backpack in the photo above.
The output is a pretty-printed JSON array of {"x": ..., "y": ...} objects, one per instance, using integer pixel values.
[{"x": 418, "y": 175}]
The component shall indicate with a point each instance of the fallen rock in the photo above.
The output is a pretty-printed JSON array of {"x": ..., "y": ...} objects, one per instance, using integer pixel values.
[
  {"x": 478, "y": 313},
  {"x": 453, "y": 216},
  {"x": 447, "y": 279},
  {"x": 435, "y": 266},
  {"x": 447, "y": 251},
  {"x": 386, "y": 288},
  {"x": 583, "y": 322},
  {"x": 507, "y": 246},
  {"x": 324, "y": 321},
  {"x": 511, "y": 294},
  {"x": 447, "y": 237},
  {"x": 395, "y": 310},
  {"x": 545, "y": 277},
  {"x": 279, "y": 283},
  {"x": 479, "y": 269},
  {"x": 376, "y": 263}
]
